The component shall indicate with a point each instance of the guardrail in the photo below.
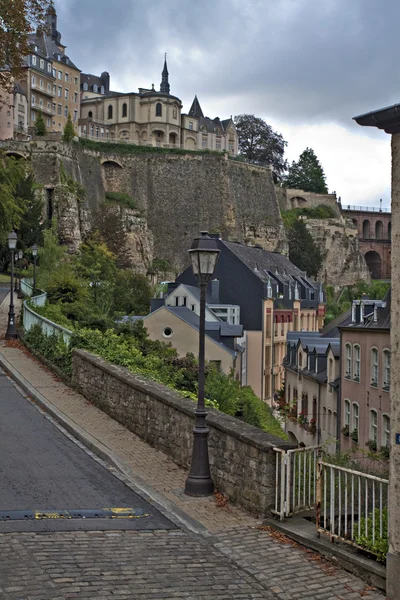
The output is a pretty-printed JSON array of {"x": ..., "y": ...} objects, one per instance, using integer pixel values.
[
  {"x": 365, "y": 208},
  {"x": 31, "y": 318},
  {"x": 352, "y": 506},
  {"x": 296, "y": 479}
]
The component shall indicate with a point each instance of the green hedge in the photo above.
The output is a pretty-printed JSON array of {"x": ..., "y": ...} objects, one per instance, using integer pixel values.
[
  {"x": 118, "y": 148},
  {"x": 121, "y": 198}
]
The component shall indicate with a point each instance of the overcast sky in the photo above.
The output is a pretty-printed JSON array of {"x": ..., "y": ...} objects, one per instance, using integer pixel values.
[{"x": 305, "y": 66}]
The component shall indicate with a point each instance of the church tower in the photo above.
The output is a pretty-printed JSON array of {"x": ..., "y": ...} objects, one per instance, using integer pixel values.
[{"x": 164, "y": 88}]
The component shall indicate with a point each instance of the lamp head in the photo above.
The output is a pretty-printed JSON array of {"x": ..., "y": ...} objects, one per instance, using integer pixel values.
[
  {"x": 12, "y": 240},
  {"x": 20, "y": 254},
  {"x": 34, "y": 250},
  {"x": 204, "y": 254}
]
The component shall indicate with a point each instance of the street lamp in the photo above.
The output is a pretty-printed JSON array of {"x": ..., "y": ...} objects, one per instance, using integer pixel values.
[
  {"x": 20, "y": 256},
  {"x": 34, "y": 250},
  {"x": 11, "y": 332},
  {"x": 204, "y": 255}
]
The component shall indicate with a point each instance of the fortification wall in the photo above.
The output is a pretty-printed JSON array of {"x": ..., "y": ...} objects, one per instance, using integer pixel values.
[
  {"x": 178, "y": 195},
  {"x": 291, "y": 198}
]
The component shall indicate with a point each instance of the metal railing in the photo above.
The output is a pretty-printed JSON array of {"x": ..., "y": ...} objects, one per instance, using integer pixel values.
[
  {"x": 366, "y": 208},
  {"x": 296, "y": 480},
  {"x": 351, "y": 506},
  {"x": 31, "y": 318}
]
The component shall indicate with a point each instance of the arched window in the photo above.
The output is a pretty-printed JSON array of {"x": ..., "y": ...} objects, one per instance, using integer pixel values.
[
  {"x": 329, "y": 424},
  {"x": 366, "y": 230},
  {"x": 110, "y": 112},
  {"x": 158, "y": 109},
  {"x": 386, "y": 370},
  {"x": 385, "y": 430},
  {"x": 95, "y": 89},
  {"x": 174, "y": 113},
  {"x": 355, "y": 421},
  {"x": 90, "y": 115},
  {"x": 373, "y": 425},
  {"x": 356, "y": 364},
  {"x": 374, "y": 367},
  {"x": 324, "y": 417},
  {"x": 85, "y": 87},
  {"x": 346, "y": 416},
  {"x": 347, "y": 371},
  {"x": 124, "y": 110},
  {"x": 102, "y": 90},
  {"x": 379, "y": 230}
]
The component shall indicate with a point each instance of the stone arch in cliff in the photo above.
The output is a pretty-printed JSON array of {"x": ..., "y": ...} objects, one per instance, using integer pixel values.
[
  {"x": 297, "y": 202},
  {"x": 374, "y": 264},
  {"x": 111, "y": 172},
  {"x": 17, "y": 155}
]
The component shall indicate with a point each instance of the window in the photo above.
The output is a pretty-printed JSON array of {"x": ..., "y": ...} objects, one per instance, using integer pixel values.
[
  {"x": 49, "y": 88},
  {"x": 59, "y": 109},
  {"x": 75, "y": 97},
  {"x": 215, "y": 364},
  {"x": 97, "y": 132},
  {"x": 95, "y": 88},
  {"x": 124, "y": 110},
  {"x": 356, "y": 356},
  {"x": 218, "y": 145},
  {"x": 33, "y": 81},
  {"x": 76, "y": 82},
  {"x": 85, "y": 87},
  {"x": 184, "y": 301},
  {"x": 49, "y": 106},
  {"x": 66, "y": 77},
  {"x": 356, "y": 413},
  {"x": 54, "y": 108},
  {"x": 90, "y": 115},
  {"x": 348, "y": 362},
  {"x": 386, "y": 370},
  {"x": 40, "y": 102},
  {"x": 176, "y": 300},
  {"x": 324, "y": 417},
  {"x": 48, "y": 122},
  {"x": 65, "y": 111},
  {"x": 191, "y": 125},
  {"x": 41, "y": 83},
  {"x": 34, "y": 60},
  {"x": 158, "y": 109},
  {"x": 168, "y": 332},
  {"x": 329, "y": 424},
  {"x": 66, "y": 94},
  {"x": 41, "y": 63},
  {"x": 192, "y": 306},
  {"x": 110, "y": 112},
  {"x": 49, "y": 67},
  {"x": 385, "y": 430},
  {"x": 102, "y": 90},
  {"x": 75, "y": 114},
  {"x": 174, "y": 113},
  {"x": 374, "y": 367},
  {"x": 204, "y": 142},
  {"x": 347, "y": 413},
  {"x": 54, "y": 90},
  {"x": 59, "y": 74},
  {"x": 59, "y": 91},
  {"x": 54, "y": 73},
  {"x": 33, "y": 116},
  {"x": 33, "y": 100},
  {"x": 373, "y": 432},
  {"x": 91, "y": 130}
]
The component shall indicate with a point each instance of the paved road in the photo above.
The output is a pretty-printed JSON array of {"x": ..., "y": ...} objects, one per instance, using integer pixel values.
[
  {"x": 42, "y": 470},
  {"x": 3, "y": 292}
]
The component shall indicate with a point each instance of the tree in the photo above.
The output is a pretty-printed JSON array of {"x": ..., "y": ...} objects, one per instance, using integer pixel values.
[
  {"x": 69, "y": 131},
  {"x": 132, "y": 293},
  {"x": 259, "y": 143},
  {"x": 18, "y": 18},
  {"x": 12, "y": 172},
  {"x": 30, "y": 230},
  {"x": 307, "y": 174},
  {"x": 303, "y": 251},
  {"x": 40, "y": 126}
]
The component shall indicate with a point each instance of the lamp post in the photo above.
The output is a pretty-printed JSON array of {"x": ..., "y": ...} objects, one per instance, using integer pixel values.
[
  {"x": 34, "y": 254},
  {"x": 11, "y": 332},
  {"x": 204, "y": 254},
  {"x": 20, "y": 256}
]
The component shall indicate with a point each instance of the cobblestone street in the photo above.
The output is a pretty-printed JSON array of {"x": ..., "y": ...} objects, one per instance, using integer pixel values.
[{"x": 224, "y": 554}]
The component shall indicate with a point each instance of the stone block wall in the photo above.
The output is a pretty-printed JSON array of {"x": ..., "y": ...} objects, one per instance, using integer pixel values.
[{"x": 241, "y": 456}]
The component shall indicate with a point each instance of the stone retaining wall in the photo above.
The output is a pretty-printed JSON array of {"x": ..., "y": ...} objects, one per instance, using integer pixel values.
[{"x": 241, "y": 456}]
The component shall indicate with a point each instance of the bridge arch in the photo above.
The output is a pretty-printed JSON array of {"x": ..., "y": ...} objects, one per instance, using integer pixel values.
[
  {"x": 379, "y": 230},
  {"x": 374, "y": 263},
  {"x": 16, "y": 154},
  {"x": 366, "y": 229}
]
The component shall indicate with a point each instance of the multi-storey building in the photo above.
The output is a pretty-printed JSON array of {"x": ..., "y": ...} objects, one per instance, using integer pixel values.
[
  {"x": 13, "y": 113},
  {"x": 274, "y": 297},
  {"x": 50, "y": 81},
  {"x": 150, "y": 117}
]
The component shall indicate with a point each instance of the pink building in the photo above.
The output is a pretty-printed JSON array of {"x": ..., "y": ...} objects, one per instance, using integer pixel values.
[
  {"x": 365, "y": 376},
  {"x": 6, "y": 115}
]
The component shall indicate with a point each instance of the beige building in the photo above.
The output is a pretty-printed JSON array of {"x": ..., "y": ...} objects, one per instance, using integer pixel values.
[
  {"x": 13, "y": 113},
  {"x": 51, "y": 81},
  {"x": 150, "y": 118},
  {"x": 6, "y": 115},
  {"x": 179, "y": 326}
]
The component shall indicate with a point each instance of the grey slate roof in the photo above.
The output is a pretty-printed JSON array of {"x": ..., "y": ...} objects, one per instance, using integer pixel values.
[
  {"x": 332, "y": 329},
  {"x": 195, "y": 110},
  {"x": 383, "y": 317},
  {"x": 261, "y": 261}
]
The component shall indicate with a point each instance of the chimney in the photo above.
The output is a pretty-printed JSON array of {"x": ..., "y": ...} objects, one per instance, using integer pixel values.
[
  {"x": 105, "y": 79},
  {"x": 215, "y": 291}
]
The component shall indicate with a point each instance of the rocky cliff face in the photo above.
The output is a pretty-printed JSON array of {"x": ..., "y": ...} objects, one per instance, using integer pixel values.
[
  {"x": 337, "y": 239},
  {"x": 176, "y": 197}
]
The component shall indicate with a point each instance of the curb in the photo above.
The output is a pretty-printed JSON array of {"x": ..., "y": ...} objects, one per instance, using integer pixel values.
[{"x": 104, "y": 453}]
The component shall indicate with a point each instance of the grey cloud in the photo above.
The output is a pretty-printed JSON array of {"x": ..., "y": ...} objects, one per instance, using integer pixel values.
[{"x": 302, "y": 61}]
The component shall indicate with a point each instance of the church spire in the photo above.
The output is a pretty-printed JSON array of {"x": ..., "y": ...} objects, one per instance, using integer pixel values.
[
  {"x": 164, "y": 88},
  {"x": 51, "y": 20},
  {"x": 195, "y": 109}
]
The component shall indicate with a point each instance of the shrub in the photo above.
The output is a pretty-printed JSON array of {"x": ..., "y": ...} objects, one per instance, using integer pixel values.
[
  {"x": 380, "y": 545},
  {"x": 121, "y": 198},
  {"x": 53, "y": 348}
]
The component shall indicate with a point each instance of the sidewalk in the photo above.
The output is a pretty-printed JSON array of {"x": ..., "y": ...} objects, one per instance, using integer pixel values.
[{"x": 278, "y": 568}]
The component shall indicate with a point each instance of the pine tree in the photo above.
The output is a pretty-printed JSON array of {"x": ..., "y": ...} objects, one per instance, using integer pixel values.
[
  {"x": 303, "y": 251},
  {"x": 40, "y": 126},
  {"x": 307, "y": 174},
  {"x": 69, "y": 131}
]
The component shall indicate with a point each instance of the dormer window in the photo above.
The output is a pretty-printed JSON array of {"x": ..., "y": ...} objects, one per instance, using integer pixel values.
[
  {"x": 95, "y": 88},
  {"x": 102, "y": 90},
  {"x": 85, "y": 87}
]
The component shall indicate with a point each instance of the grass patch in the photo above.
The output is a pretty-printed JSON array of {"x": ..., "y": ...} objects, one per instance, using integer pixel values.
[
  {"x": 4, "y": 278},
  {"x": 121, "y": 198},
  {"x": 116, "y": 148}
]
